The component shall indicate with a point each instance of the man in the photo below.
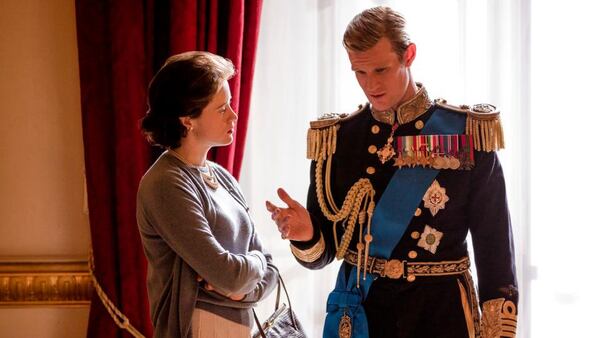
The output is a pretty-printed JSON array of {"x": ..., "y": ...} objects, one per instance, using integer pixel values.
[{"x": 395, "y": 188}]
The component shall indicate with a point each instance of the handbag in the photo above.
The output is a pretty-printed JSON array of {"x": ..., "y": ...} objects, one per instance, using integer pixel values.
[{"x": 283, "y": 322}]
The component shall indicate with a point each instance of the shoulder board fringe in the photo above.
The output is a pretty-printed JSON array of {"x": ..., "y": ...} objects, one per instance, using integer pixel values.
[
  {"x": 321, "y": 142},
  {"x": 483, "y": 123},
  {"x": 322, "y": 134}
]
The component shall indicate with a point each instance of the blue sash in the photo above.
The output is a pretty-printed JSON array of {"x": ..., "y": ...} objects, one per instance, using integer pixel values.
[{"x": 390, "y": 219}]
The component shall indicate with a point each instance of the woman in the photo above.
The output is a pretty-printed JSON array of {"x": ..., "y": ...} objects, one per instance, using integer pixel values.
[{"x": 206, "y": 265}]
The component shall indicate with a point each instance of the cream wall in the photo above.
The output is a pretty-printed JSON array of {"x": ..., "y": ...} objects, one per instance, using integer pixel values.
[{"x": 41, "y": 153}]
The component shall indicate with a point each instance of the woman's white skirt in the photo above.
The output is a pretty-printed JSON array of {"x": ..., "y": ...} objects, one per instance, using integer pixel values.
[{"x": 208, "y": 325}]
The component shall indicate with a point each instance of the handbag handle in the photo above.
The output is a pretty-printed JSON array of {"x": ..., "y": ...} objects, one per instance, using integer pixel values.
[{"x": 280, "y": 284}]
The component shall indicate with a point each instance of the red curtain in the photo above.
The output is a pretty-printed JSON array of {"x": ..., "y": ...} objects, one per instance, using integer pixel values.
[{"x": 121, "y": 45}]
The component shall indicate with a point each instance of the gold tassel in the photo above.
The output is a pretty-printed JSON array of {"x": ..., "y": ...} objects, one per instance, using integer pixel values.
[
  {"x": 321, "y": 142},
  {"x": 335, "y": 128},
  {"x": 475, "y": 128},
  {"x": 500, "y": 132},
  {"x": 309, "y": 143},
  {"x": 316, "y": 139},
  {"x": 312, "y": 148},
  {"x": 318, "y": 143},
  {"x": 486, "y": 136},
  {"x": 486, "y": 130}
]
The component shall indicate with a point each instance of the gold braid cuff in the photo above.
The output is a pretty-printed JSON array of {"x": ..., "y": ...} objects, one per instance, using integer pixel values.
[
  {"x": 311, "y": 254},
  {"x": 499, "y": 319},
  {"x": 483, "y": 123}
]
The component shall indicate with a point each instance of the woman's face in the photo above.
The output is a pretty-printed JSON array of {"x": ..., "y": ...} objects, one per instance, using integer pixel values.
[{"x": 216, "y": 124}]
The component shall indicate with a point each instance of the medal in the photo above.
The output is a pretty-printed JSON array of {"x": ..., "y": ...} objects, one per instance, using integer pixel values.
[
  {"x": 454, "y": 163},
  {"x": 399, "y": 162},
  {"x": 431, "y": 151},
  {"x": 438, "y": 162},
  {"x": 387, "y": 152}
]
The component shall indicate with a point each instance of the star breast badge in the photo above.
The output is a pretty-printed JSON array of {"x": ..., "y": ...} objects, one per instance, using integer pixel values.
[
  {"x": 430, "y": 239},
  {"x": 435, "y": 198}
]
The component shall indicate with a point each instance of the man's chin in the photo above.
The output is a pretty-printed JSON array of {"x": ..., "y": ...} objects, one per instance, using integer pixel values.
[{"x": 380, "y": 107}]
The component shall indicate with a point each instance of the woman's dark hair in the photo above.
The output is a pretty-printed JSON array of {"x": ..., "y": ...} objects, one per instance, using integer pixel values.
[{"x": 183, "y": 86}]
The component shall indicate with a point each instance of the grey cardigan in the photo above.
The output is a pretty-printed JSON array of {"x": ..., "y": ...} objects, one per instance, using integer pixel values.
[{"x": 186, "y": 234}]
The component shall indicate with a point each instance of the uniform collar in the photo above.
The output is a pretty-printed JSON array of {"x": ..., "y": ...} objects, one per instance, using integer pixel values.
[{"x": 407, "y": 111}]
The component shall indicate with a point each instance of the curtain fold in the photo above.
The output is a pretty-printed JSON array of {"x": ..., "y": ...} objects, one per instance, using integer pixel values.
[
  {"x": 121, "y": 45},
  {"x": 112, "y": 96}
]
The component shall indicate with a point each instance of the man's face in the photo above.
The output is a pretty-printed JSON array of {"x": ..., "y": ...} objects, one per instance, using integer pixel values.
[{"x": 382, "y": 75}]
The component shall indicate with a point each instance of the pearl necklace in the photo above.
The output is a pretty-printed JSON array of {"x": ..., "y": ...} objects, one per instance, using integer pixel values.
[{"x": 209, "y": 177}]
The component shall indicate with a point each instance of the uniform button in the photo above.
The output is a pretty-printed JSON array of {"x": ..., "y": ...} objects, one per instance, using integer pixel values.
[
  {"x": 419, "y": 124},
  {"x": 375, "y": 129},
  {"x": 370, "y": 170},
  {"x": 372, "y": 149},
  {"x": 415, "y": 235},
  {"x": 412, "y": 254},
  {"x": 411, "y": 278},
  {"x": 418, "y": 212}
]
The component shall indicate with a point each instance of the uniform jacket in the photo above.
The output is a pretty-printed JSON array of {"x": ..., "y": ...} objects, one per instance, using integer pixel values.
[{"x": 476, "y": 204}]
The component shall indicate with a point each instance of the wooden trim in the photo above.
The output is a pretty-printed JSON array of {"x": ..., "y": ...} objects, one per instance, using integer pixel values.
[{"x": 45, "y": 283}]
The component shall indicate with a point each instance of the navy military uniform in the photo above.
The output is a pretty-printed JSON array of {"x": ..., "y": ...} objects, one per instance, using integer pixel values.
[{"x": 429, "y": 292}]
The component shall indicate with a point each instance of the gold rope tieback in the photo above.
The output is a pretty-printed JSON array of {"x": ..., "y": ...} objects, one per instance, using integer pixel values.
[{"x": 119, "y": 318}]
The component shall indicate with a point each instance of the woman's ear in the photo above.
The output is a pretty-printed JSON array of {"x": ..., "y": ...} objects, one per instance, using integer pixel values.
[{"x": 187, "y": 122}]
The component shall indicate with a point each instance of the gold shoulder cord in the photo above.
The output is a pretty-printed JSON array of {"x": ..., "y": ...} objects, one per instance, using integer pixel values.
[{"x": 358, "y": 205}]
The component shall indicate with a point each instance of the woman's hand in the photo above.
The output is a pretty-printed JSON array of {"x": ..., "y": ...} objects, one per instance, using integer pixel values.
[
  {"x": 292, "y": 222},
  {"x": 208, "y": 287}
]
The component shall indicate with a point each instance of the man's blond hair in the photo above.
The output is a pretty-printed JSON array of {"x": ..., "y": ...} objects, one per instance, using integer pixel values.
[{"x": 372, "y": 24}]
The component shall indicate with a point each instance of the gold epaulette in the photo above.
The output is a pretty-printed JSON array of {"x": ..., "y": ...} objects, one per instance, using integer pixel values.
[
  {"x": 322, "y": 134},
  {"x": 483, "y": 122}
]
